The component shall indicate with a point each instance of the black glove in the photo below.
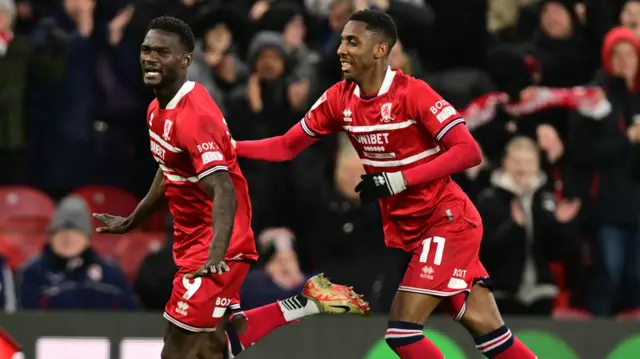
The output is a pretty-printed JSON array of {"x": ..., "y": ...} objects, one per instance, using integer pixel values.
[{"x": 380, "y": 184}]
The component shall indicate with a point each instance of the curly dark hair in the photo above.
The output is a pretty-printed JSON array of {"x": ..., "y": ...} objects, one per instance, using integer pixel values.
[{"x": 176, "y": 26}]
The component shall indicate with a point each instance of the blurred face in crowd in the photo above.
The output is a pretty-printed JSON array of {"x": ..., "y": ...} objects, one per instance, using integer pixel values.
[
  {"x": 162, "y": 58},
  {"x": 556, "y": 21},
  {"x": 624, "y": 60},
  {"x": 339, "y": 13},
  {"x": 69, "y": 243},
  {"x": 347, "y": 175},
  {"x": 359, "y": 50},
  {"x": 269, "y": 64},
  {"x": 218, "y": 38},
  {"x": 523, "y": 165},
  {"x": 630, "y": 15}
]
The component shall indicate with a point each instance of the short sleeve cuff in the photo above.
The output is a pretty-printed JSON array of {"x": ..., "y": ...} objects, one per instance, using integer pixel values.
[{"x": 212, "y": 170}]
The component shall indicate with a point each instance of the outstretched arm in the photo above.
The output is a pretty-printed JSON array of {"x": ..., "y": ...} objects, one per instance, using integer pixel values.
[
  {"x": 319, "y": 121},
  {"x": 147, "y": 207},
  {"x": 276, "y": 149},
  {"x": 461, "y": 152}
]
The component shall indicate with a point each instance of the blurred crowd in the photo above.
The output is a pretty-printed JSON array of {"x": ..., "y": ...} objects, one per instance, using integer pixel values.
[{"x": 558, "y": 188}]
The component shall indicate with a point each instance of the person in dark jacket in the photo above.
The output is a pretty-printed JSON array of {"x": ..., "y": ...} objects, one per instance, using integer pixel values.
[
  {"x": 606, "y": 151},
  {"x": 68, "y": 273},
  {"x": 348, "y": 238},
  {"x": 154, "y": 281},
  {"x": 521, "y": 235}
]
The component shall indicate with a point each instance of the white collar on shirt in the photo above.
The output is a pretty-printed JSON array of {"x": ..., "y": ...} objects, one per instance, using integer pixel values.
[
  {"x": 386, "y": 83},
  {"x": 184, "y": 90}
]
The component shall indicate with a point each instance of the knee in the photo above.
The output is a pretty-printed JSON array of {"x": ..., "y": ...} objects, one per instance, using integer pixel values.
[
  {"x": 480, "y": 321},
  {"x": 402, "y": 333}
]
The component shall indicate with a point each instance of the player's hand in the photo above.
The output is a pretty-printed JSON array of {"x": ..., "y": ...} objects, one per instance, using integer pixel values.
[
  {"x": 380, "y": 184},
  {"x": 213, "y": 266},
  {"x": 115, "y": 224}
]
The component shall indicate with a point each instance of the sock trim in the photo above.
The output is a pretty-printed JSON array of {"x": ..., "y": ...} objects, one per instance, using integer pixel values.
[
  {"x": 495, "y": 342},
  {"x": 403, "y": 333}
]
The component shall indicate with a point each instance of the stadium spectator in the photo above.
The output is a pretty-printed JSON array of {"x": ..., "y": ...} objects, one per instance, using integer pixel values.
[
  {"x": 215, "y": 64},
  {"x": 153, "y": 283},
  {"x": 570, "y": 190},
  {"x": 68, "y": 273},
  {"x": 347, "y": 237},
  {"x": 24, "y": 63},
  {"x": 607, "y": 150},
  {"x": 630, "y": 16},
  {"x": 283, "y": 194},
  {"x": 280, "y": 277},
  {"x": 64, "y": 111},
  {"x": 520, "y": 232},
  {"x": 8, "y": 301}
]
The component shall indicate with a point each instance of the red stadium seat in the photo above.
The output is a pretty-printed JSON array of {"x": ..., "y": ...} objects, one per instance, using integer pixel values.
[
  {"x": 17, "y": 247},
  {"x": 107, "y": 199},
  {"x": 25, "y": 208},
  {"x": 133, "y": 248},
  {"x": 106, "y": 244}
]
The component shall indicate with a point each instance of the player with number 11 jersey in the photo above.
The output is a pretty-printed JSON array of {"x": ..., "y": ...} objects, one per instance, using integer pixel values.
[{"x": 410, "y": 140}]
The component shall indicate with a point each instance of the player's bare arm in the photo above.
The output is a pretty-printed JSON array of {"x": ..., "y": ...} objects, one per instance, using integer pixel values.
[
  {"x": 147, "y": 206},
  {"x": 220, "y": 187}
]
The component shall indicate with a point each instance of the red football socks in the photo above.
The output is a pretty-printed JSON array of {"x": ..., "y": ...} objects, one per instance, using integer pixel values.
[
  {"x": 501, "y": 344},
  {"x": 407, "y": 340},
  {"x": 422, "y": 349},
  {"x": 517, "y": 350},
  {"x": 260, "y": 322}
]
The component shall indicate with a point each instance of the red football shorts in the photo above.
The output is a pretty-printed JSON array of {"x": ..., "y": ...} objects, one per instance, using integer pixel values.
[
  {"x": 199, "y": 304},
  {"x": 447, "y": 264}
]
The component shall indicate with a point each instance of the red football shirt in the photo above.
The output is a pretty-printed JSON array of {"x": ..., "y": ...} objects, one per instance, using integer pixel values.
[
  {"x": 190, "y": 140},
  {"x": 394, "y": 130}
]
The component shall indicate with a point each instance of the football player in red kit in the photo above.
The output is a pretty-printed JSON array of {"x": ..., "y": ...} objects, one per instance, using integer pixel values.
[
  {"x": 410, "y": 141},
  {"x": 213, "y": 244}
]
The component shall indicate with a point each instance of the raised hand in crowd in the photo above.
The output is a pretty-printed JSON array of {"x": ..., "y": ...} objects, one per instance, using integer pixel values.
[
  {"x": 254, "y": 93},
  {"x": 567, "y": 210},
  {"x": 84, "y": 17},
  {"x": 633, "y": 133},
  {"x": 294, "y": 33},
  {"x": 119, "y": 23},
  {"x": 298, "y": 93},
  {"x": 218, "y": 42},
  {"x": 258, "y": 9}
]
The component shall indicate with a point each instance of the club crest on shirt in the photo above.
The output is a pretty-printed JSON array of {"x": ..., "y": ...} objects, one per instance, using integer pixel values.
[
  {"x": 167, "y": 129},
  {"x": 385, "y": 113}
]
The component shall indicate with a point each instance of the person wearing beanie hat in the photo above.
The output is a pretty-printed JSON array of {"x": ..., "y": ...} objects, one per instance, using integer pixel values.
[{"x": 68, "y": 273}]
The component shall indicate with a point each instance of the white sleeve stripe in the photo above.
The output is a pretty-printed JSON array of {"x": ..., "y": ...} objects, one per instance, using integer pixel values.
[
  {"x": 212, "y": 170},
  {"x": 448, "y": 127},
  {"x": 306, "y": 128}
]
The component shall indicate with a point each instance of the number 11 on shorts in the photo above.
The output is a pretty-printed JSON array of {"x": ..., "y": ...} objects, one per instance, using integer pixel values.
[{"x": 426, "y": 248}]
